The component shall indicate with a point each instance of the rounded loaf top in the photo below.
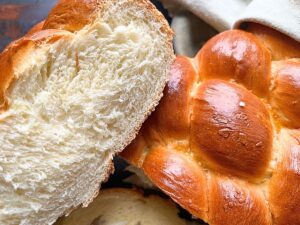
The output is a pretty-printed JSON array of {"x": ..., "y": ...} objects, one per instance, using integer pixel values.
[{"x": 236, "y": 106}]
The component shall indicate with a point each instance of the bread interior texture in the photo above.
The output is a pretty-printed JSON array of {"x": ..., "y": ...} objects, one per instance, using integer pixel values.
[{"x": 74, "y": 104}]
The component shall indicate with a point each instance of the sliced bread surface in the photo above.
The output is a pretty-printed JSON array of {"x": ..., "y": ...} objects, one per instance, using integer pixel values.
[{"x": 71, "y": 96}]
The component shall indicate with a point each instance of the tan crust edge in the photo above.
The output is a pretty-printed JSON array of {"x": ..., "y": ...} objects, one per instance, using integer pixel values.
[{"x": 15, "y": 53}]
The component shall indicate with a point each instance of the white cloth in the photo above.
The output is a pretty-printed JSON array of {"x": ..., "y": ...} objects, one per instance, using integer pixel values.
[
  {"x": 283, "y": 15},
  {"x": 220, "y": 14}
]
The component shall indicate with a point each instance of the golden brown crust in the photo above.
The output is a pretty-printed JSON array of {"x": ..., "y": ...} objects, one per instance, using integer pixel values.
[
  {"x": 285, "y": 183},
  {"x": 72, "y": 15},
  {"x": 135, "y": 151},
  {"x": 172, "y": 173},
  {"x": 15, "y": 53},
  {"x": 280, "y": 45},
  {"x": 214, "y": 132},
  {"x": 234, "y": 203},
  {"x": 239, "y": 125},
  {"x": 285, "y": 97},
  {"x": 6, "y": 76},
  {"x": 176, "y": 123},
  {"x": 236, "y": 55},
  {"x": 36, "y": 28}
]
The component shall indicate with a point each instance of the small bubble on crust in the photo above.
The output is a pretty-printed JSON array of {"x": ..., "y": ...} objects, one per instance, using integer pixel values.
[{"x": 242, "y": 104}]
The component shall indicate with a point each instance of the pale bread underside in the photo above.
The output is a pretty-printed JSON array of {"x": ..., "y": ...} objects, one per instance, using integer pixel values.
[{"x": 122, "y": 206}]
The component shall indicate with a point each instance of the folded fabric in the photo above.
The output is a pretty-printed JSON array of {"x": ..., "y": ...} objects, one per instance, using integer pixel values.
[
  {"x": 219, "y": 14},
  {"x": 282, "y": 15}
]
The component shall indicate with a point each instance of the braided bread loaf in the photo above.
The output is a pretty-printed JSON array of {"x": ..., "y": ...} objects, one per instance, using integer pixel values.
[{"x": 224, "y": 142}]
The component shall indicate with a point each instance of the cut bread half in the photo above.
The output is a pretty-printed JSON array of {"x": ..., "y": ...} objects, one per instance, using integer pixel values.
[
  {"x": 125, "y": 207},
  {"x": 71, "y": 96}
]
